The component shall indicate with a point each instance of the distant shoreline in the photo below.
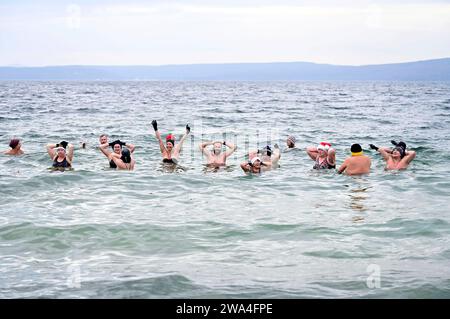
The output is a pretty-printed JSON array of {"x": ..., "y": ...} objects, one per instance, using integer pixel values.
[{"x": 428, "y": 70}]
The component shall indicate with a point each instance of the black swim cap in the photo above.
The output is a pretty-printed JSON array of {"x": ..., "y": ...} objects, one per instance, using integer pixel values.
[
  {"x": 400, "y": 149},
  {"x": 356, "y": 148},
  {"x": 126, "y": 156},
  {"x": 402, "y": 144}
]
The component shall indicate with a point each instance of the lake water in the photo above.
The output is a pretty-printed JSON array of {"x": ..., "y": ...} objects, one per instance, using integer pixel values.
[{"x": 290, "y": 233}]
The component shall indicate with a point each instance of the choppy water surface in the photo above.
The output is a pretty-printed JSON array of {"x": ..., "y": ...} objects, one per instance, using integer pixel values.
[{"x": 292, "y": 232}]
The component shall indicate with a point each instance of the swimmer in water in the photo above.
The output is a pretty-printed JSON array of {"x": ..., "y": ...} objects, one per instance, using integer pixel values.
[
  {"x": 323, "y": 155},
  {"x": 61, "y": 157},
  {"x": 169, "y": 151},
  {"x": 118, "y": 150},
  {"x": 253, "y": 166},
  {"x": 357, "y": 164},
  {"x": 397, "y": 158},
  {"x": 290, "y": 142},
  {"x": 216, "y": 157},
  {"x": 269, "y": 158},
  {"x": 15, "y": 145},
  {"x": 120, "y": 157}
]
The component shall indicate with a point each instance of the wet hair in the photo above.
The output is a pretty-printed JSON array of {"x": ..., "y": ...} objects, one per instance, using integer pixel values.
[
  {"x": 126, "y": 156},
  {"x": 356, "y": 148},
  {"x": 14, "y": 142}
]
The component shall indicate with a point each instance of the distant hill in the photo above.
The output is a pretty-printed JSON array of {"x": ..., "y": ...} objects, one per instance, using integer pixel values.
[{"x": 429, "y": 70}]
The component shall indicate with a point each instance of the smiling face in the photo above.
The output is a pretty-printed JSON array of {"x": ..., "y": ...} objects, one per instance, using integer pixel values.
[
  {"x": 117, "y": 148},
  {"x": 169, "y": 146},
  {"x": 257, "y": 165},
  {"x": 61, "y": 152}
]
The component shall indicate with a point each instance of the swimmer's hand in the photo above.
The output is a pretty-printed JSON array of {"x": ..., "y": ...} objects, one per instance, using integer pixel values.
[
  {"x": 155, "y": 125},
  {"x": 63, "y": 144},
  {"x": 394, "y": 143},
  {"x": 373, "y": 147},
  {"x": 188, "y": 129}
]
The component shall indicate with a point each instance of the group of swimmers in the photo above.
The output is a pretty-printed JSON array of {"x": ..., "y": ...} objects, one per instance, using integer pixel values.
[{"x": 324, "y": 156}]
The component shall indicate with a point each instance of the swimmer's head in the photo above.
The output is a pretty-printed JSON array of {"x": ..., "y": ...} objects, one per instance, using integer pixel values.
[
  {"x": 398, "y": 152},
  {"x": 356, "y": 150},
  {"x": 290, "y": 142},
  {"x": 117, "y": 148},
  {"x": 61, "y": 151},
  {"x": 322, "y": 150},
  {"x": 170, "y": 142},
  {"x": 256, "y": 162},
  {"x": 126, "y": 156},
  {"x": 103, "y": 139},
  {"x": 15, "y": 142},
  {"x": 217, "y": 148}
]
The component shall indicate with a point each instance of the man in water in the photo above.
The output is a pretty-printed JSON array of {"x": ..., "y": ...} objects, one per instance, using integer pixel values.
[
  {"x": 357, "y": 164},
  {"x": 15, "y": 145},
  {"x": 216, "y": 157},
  {"x": 169, "y": 151},
  {"x": 396, "y": 159}
]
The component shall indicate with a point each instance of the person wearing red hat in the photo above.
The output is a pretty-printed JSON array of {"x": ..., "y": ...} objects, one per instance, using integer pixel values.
[
  {"x": 169, "y": 151},
  {"x": 15, "y": 147},
  {"x": 323, "y": 155}
]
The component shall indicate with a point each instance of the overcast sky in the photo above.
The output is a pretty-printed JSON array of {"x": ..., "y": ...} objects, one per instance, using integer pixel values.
[{"x": 112, "y": 32}]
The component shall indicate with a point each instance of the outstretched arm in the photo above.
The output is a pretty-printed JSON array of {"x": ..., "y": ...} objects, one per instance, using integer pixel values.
[
  {"x": 180, "y": 143},
  {"x": 312, "y": 152},
  {"x": 343, "y": 167},
  {"x": 119, "y": 163},
  {"x": 51, "y": 150},
  {"x": 276, "y": 154},
  {"x": 231, "y": 148}
]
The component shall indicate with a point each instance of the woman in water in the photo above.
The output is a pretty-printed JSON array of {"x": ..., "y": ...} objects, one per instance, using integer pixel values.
[
  {"x": 61, "y": 158},
  {"x": 169, "y": 151},
  {"x": 117, "y": 149},
  {"x": 120, "y": 158},
  {"x": 323, "y": 155}
]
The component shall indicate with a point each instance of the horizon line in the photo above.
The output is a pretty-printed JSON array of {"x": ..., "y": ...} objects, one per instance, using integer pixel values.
[{"x": 217, "y": 63}]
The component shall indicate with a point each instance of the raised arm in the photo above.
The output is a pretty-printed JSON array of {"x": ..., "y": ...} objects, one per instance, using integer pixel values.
[
  {"x": 245, "y": 167},
  {"x": 203, "y": 146},
  {"x": 384, "y": 151},
  {"x": 231, "y": 148},
  {"x": 158, "y": 137},
  {"x": 51, "y": 150},
  {"x": 180, "y": 143},
  {"x": 131, "y": 147},
  {"x": 116, "y": 159},
  {"x": 409, "y": 156},
  {"x": 332, "y": 156},
  {"x": 104, "y": 149},
  {"x": 276, "y": 154},
  {"x": 70, "y": 149},
  {"x": 312, "y": 152}
]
